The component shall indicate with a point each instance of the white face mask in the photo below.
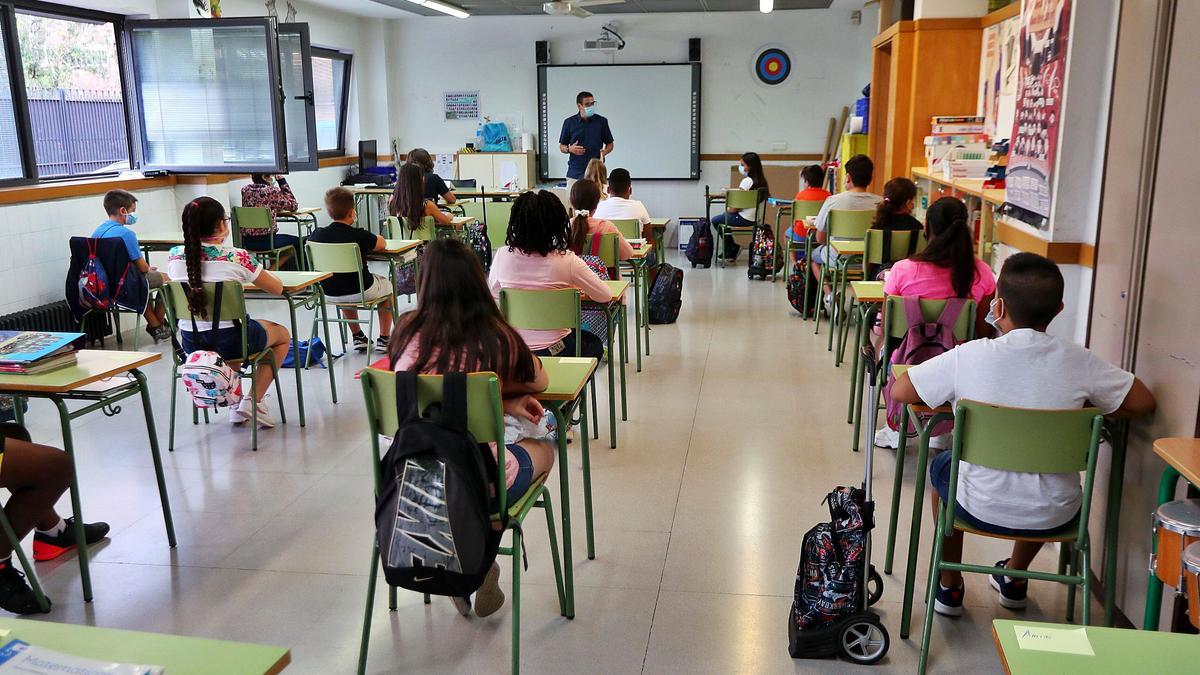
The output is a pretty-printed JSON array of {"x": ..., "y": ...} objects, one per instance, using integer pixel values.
[
  {"x": 991, "y": 317},
  {"x": 742, "y": 169}
]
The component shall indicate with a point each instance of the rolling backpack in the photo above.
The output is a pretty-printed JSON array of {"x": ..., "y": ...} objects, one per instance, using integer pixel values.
[
  {"x": 209, "y": 380},
  {"x": 433, "y": 512},
  {"x": 762, "y": 253},
  {"x": 666, "y": 294},
  {"x": 827, "y": 578},
  {"x": 699, "y": 249},
  {"x": 595, "y": 321},
  {"x": 476, "y": 237},
  {"x": 923, "y": 341},
  {"x": 800, "y": 284}
]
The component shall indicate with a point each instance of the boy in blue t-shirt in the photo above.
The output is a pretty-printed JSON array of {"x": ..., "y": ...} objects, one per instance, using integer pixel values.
[{"x": 120, "y": 206}]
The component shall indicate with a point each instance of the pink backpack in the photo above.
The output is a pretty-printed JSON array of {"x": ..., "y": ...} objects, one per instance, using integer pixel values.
[{"x": 923, "y": 341}]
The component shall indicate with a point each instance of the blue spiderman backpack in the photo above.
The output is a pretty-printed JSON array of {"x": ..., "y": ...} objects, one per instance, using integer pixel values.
[{"x": 94, "y": 292}]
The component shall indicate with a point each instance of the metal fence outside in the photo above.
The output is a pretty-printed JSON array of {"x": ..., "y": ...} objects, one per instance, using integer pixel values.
[{"x": 77, "y": 131}]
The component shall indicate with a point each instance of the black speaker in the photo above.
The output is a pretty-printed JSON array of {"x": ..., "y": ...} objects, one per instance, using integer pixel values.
[
  {"x": 694, "y": 50},
  {"x": 541, "y": 51}
]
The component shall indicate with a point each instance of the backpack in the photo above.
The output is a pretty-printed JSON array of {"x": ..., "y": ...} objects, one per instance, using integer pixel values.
[
  {"x": 699, "y": 249},
  {"x": 94, "y": 292},
  {"x": 800, "y": 284},
  {"x": 595, "y": 321},
  {"x": 666, "y": 294},
  {"x": 828, "y": 578},
  {"x": 210, "y": 381},
  {"x": 433, "y": 512},
  {"x": 406, "y": 276},
  {"x": 922, "y": 342},
  {"x": 311, "y": 353},
  {"x": 762, "y": 253},
  {"x": 476, "y": 237}
]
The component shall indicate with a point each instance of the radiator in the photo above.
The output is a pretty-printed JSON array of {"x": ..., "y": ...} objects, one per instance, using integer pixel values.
[{"x": 57, "y": 317}]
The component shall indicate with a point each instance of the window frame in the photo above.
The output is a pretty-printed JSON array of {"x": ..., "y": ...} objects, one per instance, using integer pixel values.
[
  {"x": 310, "y": 119},
  {"x": 20, "y": 99},
  {"x": 348, "y": 59},
  {"x": 272, "y": 54}
]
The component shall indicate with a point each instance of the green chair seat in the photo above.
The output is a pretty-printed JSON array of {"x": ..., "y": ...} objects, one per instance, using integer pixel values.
[
  {"x": 522, "y": 506},
  {"x": 1069, "y": 533}
]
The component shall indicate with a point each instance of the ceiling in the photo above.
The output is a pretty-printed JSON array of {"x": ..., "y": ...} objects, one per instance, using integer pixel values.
[{"x": 534, "y": 7}]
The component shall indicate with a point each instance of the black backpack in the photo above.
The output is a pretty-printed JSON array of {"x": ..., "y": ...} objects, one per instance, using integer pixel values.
[
  {"x": 762, "y": 253},
  {"x": 666, "y": 294},
  {"x": 800, "y": 284},
  {"x": 699, "y": 249},
  {"x": 433, "y": 511}
]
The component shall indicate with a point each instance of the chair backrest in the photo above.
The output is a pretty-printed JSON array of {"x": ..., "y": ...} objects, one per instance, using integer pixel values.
[
  {"x": 804, "y": 208},
  {"x": 1026, "y": 440},
  {"x": 630, "y": 228},
  {"x": 845, "y": 224},
  {"x": 392, "y": 223},
  {"x": 873, "y": 247},
  {"x": 233, "y": 301},
  {"x": 425, "y": 231},
  {"x": 896, "y": 320},
  {"x": 742, "y": 199},
  {"x": 336, "y": 258},
  {"x": 541, "y": 309},
  {"x": 498, "y": 214},
  {"x": 258, "y": 217},
  {"x": 608, "y": 250}
]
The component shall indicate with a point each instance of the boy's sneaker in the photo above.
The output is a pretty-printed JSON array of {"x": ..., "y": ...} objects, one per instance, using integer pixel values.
[
  {"x": 1013, "y": 591},
  {"x": 15, "y": 594},
  {"x": 48, "y": 547},
  {"x": 361, "y": 343},
  {"x": 949, "y": 601},
  {"x": 159, "y": 332},
  {"x": 244, "y": 413},
  {"x": 887, "y": 437},
  {"x": 489, "y": 597},
  {"x": 381, "y": 344},
  {"x": 463, "y": 605}
]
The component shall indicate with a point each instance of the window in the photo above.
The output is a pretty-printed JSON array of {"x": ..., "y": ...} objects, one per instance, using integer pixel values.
[
  {"x": 11, "y": 164},
  {"x": 331, "y": 88},
  {"x": 296, "y": 76}
]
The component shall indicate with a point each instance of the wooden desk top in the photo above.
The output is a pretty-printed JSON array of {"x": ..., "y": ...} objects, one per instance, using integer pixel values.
[
  {"x": 177, "y": 654},
  {"x": 867, "y": 291},
  {"x": 458, "y": 221},
  {"x": 93, "y": 365},
  {"x": 371, "y": 190},
  {"x": 660, "y": 223},
  {"x": 475, "y": 192},
  {"x": 306, "y": 211},
  {"x": 1183, "y": 454},
  {"x": 397, "y": 246},
  {"x": 1114, "y": 650},
  {"x": 568, "y": 376},
  {"x": 294, "y": 281},
  {"x": 618, "y": 288},
  {"x": 848, "y": 246},
  {"x": 641, "y": 252},
  {"x": 161, "y": 238},
  {"x": 899, "y": 369}
]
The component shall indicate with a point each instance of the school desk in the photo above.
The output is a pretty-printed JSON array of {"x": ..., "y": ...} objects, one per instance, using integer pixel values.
[
  {"x": 641, "y": 315},
  {"x": 368, "y": 199},
  {"x": 102, "y": 378},
  {"x": 1182, "y": 456},
  {"x": 868, "y": 297},
  {"x": 301, "y": 290},
  {"x": 305, "y": 220},
  {"x": 484, "y": 193},
  {"x": 658, "y": 226},
  {"x": 178, "y": 655},
  {"x": 398, "y": 253},
  {"x": 614, "y": 311},
  {"x": 566, "y": 393},
  {"x": 159, "y": 240},
  {"x": 1065, "y": 649}
]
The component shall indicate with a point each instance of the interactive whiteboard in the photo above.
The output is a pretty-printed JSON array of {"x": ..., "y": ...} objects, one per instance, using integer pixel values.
[{"x": 653, "y": 111}]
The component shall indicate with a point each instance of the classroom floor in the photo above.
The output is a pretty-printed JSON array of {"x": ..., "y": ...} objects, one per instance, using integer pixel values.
[{"x": 736, "y": 433}]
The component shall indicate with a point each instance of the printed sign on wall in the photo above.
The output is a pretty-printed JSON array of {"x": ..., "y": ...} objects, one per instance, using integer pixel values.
[{"x": 461, "y": 105}]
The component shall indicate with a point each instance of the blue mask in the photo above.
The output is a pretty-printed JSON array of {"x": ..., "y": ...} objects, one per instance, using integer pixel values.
[
  {"x": 589, "y": 111},
  {"x": 131, "y": 219}
]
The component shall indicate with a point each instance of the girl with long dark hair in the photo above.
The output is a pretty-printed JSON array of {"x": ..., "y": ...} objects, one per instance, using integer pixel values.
[
  {"x": 753, "y": 178},
  {"x": 270, "y": 192},
  {"x": 435, "y": 187},
  {"x": 585, "y": 197},
  {"x": 894, "y": 214},
  {"x": 409, "y": 202},
  {"x": 204, "y": 257}
]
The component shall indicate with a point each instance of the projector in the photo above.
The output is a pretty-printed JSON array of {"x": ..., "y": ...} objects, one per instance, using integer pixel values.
[{"x": 604, "y": 44}]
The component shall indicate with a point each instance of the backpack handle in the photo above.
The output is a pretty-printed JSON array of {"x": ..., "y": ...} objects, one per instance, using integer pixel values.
[
  {"x": 406, "y": 397},
  {"x": 454, "y": 401}
]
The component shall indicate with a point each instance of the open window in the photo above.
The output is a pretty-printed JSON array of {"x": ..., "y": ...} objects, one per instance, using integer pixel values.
[
  {"x": 331, "y": 86},
  {"x": 206, "y": 95},
  {"x": 299, "y": 103}
]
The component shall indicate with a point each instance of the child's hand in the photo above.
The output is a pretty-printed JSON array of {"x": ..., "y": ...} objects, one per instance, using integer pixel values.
[{"x": 526, "y": 407}]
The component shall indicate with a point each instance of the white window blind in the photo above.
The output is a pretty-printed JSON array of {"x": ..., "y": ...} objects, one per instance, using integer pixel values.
[
  {"x": 329, "y": 87},
  {"x": 10, "y": 142}
]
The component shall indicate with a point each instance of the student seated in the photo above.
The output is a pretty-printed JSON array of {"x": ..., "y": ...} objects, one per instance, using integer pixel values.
[
  {"x": 894, "y": 213},
  {"x": 947, "y": 268},
  {"x": 204, "y": 257},
  {"x": 750, "y": 167},
  {"x": 35, "y": 477},
  {"x": 273, "y": 193},
  {"x": 537, "y": 255},
  {"x": 121, "y": 207},
  {"x": 409, "y": 201},
  {"x": 621, "y": 205},
  {"x": 598, "y": 174},
  {"x": 457, "y": 327},
  {"x": 1024, "y": 368},
  {"x": 434, "y": 186},
  {"x": 860, "y": 170},
  {"x": 585, "y": 196},
  {"x": 343, "y": 286},
  {"x": 811, "y": 178}
]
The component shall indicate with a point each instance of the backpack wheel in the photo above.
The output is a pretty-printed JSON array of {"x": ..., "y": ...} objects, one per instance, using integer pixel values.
[
  {"x": 874, "y": 587},
  {"x": 864, "y": 640}
]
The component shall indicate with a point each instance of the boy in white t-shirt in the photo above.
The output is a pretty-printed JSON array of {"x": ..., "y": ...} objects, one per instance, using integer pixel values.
[
  {"x": 619, "y": 206},
  {"x": 1023, "y": 368}
]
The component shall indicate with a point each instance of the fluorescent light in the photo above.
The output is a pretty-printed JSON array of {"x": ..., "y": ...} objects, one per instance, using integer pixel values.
[
  {"x": 765, "y": 6},
  {"x": 456, "y": 12}
]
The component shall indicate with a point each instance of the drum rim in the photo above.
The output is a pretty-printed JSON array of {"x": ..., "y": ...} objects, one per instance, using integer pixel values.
[
  {"x": 1191, "y": 558},
  {"x": 1163, "y": 518}
]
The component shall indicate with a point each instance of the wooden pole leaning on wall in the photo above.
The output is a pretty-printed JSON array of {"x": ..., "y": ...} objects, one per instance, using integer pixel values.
[{"x": 825, "y": 151}]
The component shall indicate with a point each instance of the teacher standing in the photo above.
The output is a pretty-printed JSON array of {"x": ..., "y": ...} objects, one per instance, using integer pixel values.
[{"x": 585, "y": 136}]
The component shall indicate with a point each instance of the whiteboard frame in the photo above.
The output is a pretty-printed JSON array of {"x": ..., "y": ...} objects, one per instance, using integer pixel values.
[{"x": 544, "y": 133}]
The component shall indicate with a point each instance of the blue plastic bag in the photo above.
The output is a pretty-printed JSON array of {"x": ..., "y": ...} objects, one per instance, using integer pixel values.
[
  {"x": 312, "y": 352},
  {"x": 493, "y": 137}
]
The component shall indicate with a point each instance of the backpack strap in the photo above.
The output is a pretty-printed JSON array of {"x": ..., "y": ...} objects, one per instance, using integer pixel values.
[
  {"x": 596, "y": 245},
  {"x": 950, "y": 313},
  {"x": 887, "y": 246},
  {"x": 406, "y": 397},
  {"x": 912, "y": 311},
  {"x": 454, "y": 401}
]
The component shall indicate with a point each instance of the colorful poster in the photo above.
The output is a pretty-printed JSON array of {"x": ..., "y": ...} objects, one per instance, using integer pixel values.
[
  {"x": 998, "y": 77},
  {"x": 461, "y": 105},
  {"x": 1040, "y": 79}
]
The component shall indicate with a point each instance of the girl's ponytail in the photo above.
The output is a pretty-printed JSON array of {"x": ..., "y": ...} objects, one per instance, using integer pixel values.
[
  {"x": 896, "y": 193},
  {"x": 200, "y": 219},
  {"x": 585, "y": 197},
  {"x": 951, "y": 245}
]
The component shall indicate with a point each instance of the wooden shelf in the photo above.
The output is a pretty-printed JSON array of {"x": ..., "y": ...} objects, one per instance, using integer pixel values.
[{"x": 972, "y": 187}]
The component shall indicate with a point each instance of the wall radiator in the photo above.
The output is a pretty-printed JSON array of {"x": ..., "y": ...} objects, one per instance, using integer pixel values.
[{"x": 57, "y": 317}]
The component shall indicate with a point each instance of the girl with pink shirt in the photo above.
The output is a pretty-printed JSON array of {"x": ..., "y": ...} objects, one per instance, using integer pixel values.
[
  {"x": 457, "y": 327},
  {"x": 536, "y": 256}
]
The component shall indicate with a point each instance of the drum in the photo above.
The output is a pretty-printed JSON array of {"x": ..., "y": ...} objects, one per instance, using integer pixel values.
[
  {"x": 1176, "y": 526},
  {"x": 1191, "y": 574}
]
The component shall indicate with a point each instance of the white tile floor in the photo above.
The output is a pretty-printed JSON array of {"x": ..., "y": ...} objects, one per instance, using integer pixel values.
[{"x": 736, "y": 433}]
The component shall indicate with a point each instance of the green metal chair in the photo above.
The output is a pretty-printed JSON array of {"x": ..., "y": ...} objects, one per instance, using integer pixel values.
[
  {"x": 550, "y": 309},
  {"x": 872, "y": 257},
  {"x": 496, "y": 217},
  {"x": 630, "y": 228},
  {"x": 797, "y": 211},
  {"x": 256, "y": 217},
  {"x": 485, "y": 420},
  {"x": 233, "y": 308},
  {"x": 843, "y": 226},
  {"x": 1034, "y": 441},
  {"x": 341, "y": 259},
  {"x": 738, "y": 200}
]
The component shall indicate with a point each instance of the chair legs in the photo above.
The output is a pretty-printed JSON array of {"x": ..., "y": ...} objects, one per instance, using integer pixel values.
[
  {"x": 365, "y": 643},
  {"x": 30, "y": 574},
  {"x": 516, "y": 600},
  {"x": 935, "y": 568}
]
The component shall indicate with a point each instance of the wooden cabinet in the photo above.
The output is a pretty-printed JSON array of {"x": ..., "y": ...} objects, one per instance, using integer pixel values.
[{"x": 496, "y": 169}]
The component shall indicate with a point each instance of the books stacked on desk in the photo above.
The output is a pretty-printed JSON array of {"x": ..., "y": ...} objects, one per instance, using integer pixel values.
[
  {"x": 32, "y": 352},
  {"x": 21, "y": 657}
]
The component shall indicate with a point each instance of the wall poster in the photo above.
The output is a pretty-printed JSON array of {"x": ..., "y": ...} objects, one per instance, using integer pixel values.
[
  {"x": 461, "y": 105},
  {"x": 1041, "y": 75}
]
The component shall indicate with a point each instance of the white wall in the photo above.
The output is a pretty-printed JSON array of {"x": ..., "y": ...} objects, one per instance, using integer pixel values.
[{"x": 831, "y": 61}]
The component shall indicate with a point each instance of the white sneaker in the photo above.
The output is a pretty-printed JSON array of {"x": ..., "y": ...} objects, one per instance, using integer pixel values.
[
  {"x": 239, "y": 412},
  {"x": 886, "y": 437},
  {"x": 265, "y": 421}
]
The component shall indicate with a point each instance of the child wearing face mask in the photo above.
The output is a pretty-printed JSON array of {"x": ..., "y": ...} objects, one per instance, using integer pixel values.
[
  {"x": 753, "y": 178},
  {"x": 120, "y": 206},
  {"x": 273, "y": 193}
]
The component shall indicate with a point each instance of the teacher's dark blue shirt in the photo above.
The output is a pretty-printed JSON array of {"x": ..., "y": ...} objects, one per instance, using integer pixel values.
[{"x": 592, "y": 133}]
